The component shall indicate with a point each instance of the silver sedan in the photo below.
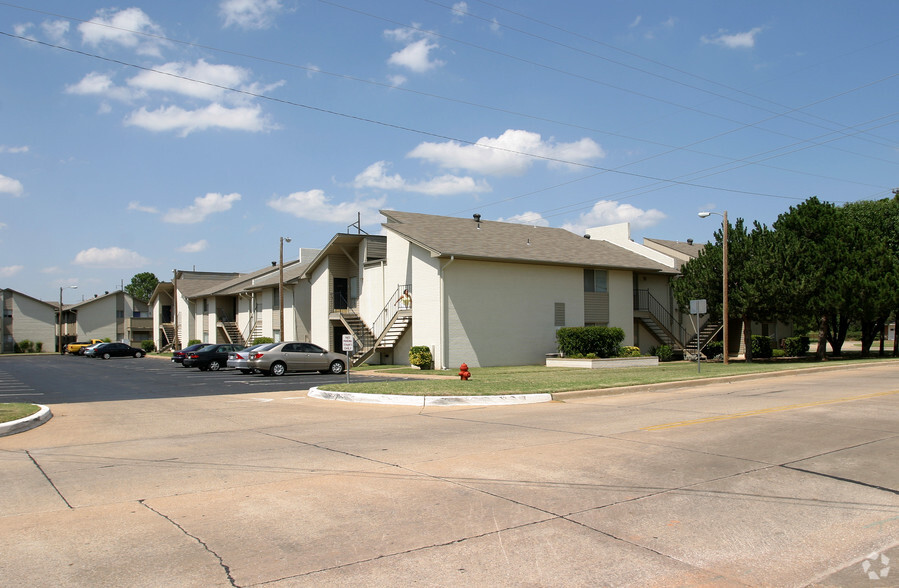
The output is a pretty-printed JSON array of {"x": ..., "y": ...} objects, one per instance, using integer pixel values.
[
  {"x": 240, "y": 360},
  {"x": 295, "y": 356}
]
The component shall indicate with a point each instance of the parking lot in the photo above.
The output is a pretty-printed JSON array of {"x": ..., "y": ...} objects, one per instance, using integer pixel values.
[
  {"x": 69, "y": 378},
  {"x": 788, "y": 481}
]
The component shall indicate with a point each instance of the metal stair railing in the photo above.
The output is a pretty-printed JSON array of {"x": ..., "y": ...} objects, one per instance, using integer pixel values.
[{"x": 644, "y": 301}]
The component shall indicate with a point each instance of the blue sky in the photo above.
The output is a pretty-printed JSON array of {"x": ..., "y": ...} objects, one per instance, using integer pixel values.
[{"x": 157, "y": 135}]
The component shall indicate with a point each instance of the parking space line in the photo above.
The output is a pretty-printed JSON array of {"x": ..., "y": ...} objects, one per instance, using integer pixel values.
[{"x": 775, "y": 409}]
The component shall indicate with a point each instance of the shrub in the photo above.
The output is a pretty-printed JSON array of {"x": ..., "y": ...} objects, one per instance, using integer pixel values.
[
  {"x": 603, "y": 341},
  {"x": 193, "y": 342},
  {"x": 261, "y": 340},
  {"x": 39, "y": 346},
  {"x": 795, "y": 346},
  {"x": 420, "y": 355},
  {"x": 663, "y": 352},
  {"x": 713, "y": 349},
  {"x": 24, "y": 346},
  {"x": 761, "y": 347},
  {"x": 630, "y": 351},
  {"x": 148, "y": 345},
  {"x": 778, "y": 353}
]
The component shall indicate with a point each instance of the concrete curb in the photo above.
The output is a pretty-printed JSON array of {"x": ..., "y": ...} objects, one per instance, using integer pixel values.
[
  {"x": 28, "y": 423},
  {"x": 398, "y": 399},
  {"x": 574, "y": 394}
]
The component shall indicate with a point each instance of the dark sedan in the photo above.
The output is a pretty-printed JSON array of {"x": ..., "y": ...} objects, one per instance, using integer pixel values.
[
  {"x": 178, "y": 356},
  {"x": 212, "y": 357},
  {"x": 107, "y": 350}
]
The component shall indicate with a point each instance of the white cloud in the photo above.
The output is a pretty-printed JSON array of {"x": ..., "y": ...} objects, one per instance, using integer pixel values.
[
  {"x": 736, "y": 41},
  {"x": 56, "y": 29},
  {"x": 526, "y": 218},
  {"x": 111, "y": 257},
  {"x": 175, "y": 118},
  {"x": 121, "y": 28},
  {"x": 194, "y": 247},
  {"x": 416, "y": 56},
  {"x": 503, "y": 155},
  {"x": 135, "y": 205},
  {"x": 10, "y": 270},
  {"x": 459, "y": 11},
  {"x": 11, "y": 186},
  {"x": 397, "y": 80},
  {"x": 218, "y": 77},
  {"x": 21, "y": 149},
  {"x": 202, "y": 207},
  {"x": 606, "y": 212},
  {"x": 250, "y": 14},
  {"x": 315, "y": 205},
  {"x": 375, "y": 176},
  {"x": 636, "y": 21},
  {"x": 98, "y": 84}
]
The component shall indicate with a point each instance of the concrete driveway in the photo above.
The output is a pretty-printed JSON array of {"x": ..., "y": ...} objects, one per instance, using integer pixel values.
[{"x": 788, "y": 481}]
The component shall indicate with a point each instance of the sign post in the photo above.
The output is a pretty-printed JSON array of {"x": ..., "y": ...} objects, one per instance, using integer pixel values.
[
  {"x": 698, "y": 307},
  {"x": 347, "y": 346}
]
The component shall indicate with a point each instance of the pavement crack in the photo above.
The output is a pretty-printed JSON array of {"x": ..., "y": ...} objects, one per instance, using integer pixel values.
[
  {"x": 841, "y": 479},
  {"x": 205, "y": 546},
  {"x": 49, "y": 480}
]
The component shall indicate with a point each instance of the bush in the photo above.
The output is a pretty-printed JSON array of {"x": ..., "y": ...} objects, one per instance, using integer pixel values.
[
  {"x": 24, "y": 346},
  {"x": 778, "y": 353},
  {"x": 261, "y": 340},
  {"x": 761, "y": 347},
  {"x": 713, "y": 349},
  {"x": 603, "y": 341},
  {"x": 663, "y": 352},
  {"x": 193, "y": 342},
  {"x": 795, "y": 346},
  {"x": 420, "y": 355},
  {"x": 148, "y": 345},
  {"x": 630, "y": 351},
  {"x": 39, "y": 346}
]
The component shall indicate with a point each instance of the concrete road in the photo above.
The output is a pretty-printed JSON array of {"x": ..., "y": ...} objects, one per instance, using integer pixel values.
[{"x": 788, "y": 481}]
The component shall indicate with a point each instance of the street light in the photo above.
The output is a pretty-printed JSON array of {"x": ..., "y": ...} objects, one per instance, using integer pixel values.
[
  {"x": 725, "y": 314},
  {"x": 281, "y": 285},
  {"x": 59, "y": 316}
]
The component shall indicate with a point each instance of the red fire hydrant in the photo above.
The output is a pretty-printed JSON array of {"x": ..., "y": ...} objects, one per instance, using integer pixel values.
[{"x": 463, "y": 371}]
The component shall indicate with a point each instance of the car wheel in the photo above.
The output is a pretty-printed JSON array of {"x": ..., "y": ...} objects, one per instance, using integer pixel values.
[
  {"x": 106, "y": 356},
  {"x": 214, "y": 366},
  {"x": 278, "y": 369},
  {"x": 336, "y": 367},
  {"x": 138, "y": 354}
]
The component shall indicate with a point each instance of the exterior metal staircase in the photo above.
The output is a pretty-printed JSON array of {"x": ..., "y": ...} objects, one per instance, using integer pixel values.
[
  {"x": 660, "y": 322},
  {"x": 232, "y": 332},
  {"x": 385, "y": 332}
]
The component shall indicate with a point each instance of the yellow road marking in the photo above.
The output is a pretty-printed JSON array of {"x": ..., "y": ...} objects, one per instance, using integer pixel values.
[{"x": 748, "y": 413}]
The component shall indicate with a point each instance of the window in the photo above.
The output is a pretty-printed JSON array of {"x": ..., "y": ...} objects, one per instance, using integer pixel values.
[
  {"x": 276, "y": 300},
  {"x": 595, "y": 281},
  {"x": 559, "y": 312}
]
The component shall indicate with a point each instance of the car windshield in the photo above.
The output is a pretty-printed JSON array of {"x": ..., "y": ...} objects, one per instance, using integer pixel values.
[{"x": 266, "y": 346}]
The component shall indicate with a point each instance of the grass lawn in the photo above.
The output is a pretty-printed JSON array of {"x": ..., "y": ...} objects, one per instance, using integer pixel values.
[
  {"x": 13, "y": 411},
  {"x": 534, "y": 379}
]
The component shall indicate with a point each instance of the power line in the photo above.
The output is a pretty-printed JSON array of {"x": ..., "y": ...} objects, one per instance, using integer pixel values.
[{"x": 385, "y": 124}]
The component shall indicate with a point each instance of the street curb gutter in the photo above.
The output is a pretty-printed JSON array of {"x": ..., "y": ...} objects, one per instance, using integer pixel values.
[
  {"x": 576, "y": 394},
  {"x": 27, "y": 423},
  {"x": 399, "y": 399}
]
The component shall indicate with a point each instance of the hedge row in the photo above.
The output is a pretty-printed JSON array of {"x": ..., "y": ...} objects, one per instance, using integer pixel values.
[{"x": 602, "y": 341}]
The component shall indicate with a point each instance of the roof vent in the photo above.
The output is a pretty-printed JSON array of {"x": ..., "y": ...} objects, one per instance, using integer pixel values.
[
  {"x": 477, "y": 217},
  {"x": 689, "y": 241},
  {"x": 586, "y": 236}
]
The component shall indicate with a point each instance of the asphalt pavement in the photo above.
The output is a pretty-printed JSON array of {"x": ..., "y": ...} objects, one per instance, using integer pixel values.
[{"x": 787, "y": 481}]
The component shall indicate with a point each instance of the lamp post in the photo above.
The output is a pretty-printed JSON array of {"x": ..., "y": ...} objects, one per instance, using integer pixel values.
[
  {"x": 725, "y": 314},
  {"x": 281, "y": 285},
  {"x": 59, "y": 316}
]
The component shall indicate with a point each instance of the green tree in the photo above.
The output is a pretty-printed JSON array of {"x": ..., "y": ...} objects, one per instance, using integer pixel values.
[{"x": 142, "y": 286}]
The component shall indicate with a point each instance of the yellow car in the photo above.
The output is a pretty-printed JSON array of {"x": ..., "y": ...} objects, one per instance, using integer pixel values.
[{"x": 77, "y": 348}]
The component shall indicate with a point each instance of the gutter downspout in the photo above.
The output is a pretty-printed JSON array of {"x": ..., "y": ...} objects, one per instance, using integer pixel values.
[{"x": 444, "y": 317}]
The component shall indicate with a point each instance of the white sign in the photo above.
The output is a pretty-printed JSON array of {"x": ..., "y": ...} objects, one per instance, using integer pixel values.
[
  {"x": 697, "y": 306},
  {"x": 347, "y": 342}
]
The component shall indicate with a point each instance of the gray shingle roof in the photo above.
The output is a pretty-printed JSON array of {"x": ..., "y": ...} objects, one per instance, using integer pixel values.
[
  {"x": 691, "y": 249},
  {"x": 510, "y": 242}
]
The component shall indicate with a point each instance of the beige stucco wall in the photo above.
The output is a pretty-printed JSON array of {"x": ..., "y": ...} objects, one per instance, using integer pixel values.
[
  {"x": 621, "y": 303},
  {"x": 319, "y": 302},
  {"x": 97, "y": 319},
  {"x": 33, "y": 320},
  {"x": 504, "y": 314}
]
